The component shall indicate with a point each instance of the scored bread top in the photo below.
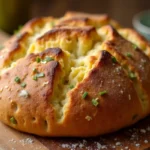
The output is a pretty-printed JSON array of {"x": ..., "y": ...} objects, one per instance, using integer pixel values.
[{"x": 80, "y": 75}]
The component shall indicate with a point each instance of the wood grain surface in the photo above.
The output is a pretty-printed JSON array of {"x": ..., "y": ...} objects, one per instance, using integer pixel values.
[{"x": 136, "y": 137}]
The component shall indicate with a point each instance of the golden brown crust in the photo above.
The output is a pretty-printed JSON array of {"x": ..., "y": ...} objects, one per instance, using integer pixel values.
[
  {"x": 84, "y": 19},
  {"x": 30, "y": 108},
  {"x": 137, "y": 39},
  {"x": 39, "y": 93},
  {"x": 63, "y": 32},
  {"x": 129, "y": 56},
  {"x": 12, "y": 48},
  {"x": 77, "y": 77},
  {"x": 113, "y": 105}
]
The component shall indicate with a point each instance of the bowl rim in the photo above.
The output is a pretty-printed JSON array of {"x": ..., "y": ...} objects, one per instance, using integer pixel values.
[{"x": 138, "y": 25}]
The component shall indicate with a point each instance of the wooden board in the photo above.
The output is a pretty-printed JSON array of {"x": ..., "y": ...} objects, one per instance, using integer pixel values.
[{"x": 136, "y": 137}]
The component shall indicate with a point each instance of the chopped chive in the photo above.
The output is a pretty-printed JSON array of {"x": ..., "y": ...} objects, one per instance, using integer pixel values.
[
  {"x": 132, "y": 75},
  {"x": 17, "y": 79},
  {"x": 129, "y": 55},
  {"x": 103, "y": 92},
  {"x": 35, "y": 78},
  {"x": 1, "y": 47},
  {"x": 40, "y": 75},
  {"x": 47, "y": 59},
  {"x": 114, "y": 60},
  {"x": 13, "y": 120},
  {"x": 23, "y": 85},
  {"x": 71, "y": 86},
  {"x": 95, "y": 102},
  {"x": 38, "y": 59},
  {"x": 134, "y": 46},
  {"x": 34, "y": 70},
  {"x": 17, "y": 30},
  {"x": 85, "y": 94}
]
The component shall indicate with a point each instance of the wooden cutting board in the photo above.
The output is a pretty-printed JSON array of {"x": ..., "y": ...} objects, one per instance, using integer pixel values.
[{"x": 136, "y": 137}]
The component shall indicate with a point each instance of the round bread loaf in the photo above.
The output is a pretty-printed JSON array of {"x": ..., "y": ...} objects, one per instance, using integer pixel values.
[{"x": 80, "y": 75}]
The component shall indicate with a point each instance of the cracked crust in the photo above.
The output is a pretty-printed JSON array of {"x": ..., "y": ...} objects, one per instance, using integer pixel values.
[
  {"x": 32, "y": 112},
  {"x": 74, "y": 77},
  {"x": 82, "y": 19}
]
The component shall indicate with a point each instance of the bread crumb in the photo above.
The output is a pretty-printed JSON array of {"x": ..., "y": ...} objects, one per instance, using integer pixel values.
[
  {"x": 148, "y": 128},
  {"x": 129, "y": 96},
  {"x": 101, "y": 84},
  {"x": 119, "y": 85},
  {"x": 99, "y": 146},
  {"x": 74, "y": 146},
  {"x": 104, "y": 147},
  {"x": 143, "y": 61},
  {"x": 24, "y": 93},
  {"x": 143, "y": 131},
  {"x": 113, "y": 146},
  {"x": 12, "y": 140},
  {"x": 118, "y": 69},
  {"x": 113, "y": 81},
  {"x": 84, "y": 142},
  {"x": 121, "y": 91},
  {"x": 65, "y": 146},
  {"x": 45, "y": 83},
  {"x": 26, "y": 141},
  {"x": 145, "y": 141},
  {"x": 81, "y": 145},
  {"x": 1, "y": 56},
  {"x": 88, "y": 118},
  {"x": 118, "y": 143},
  {"x": 126, "y": 147},
  {"x": 137, "y": 145},
  {"x": 6, "y": 87}
]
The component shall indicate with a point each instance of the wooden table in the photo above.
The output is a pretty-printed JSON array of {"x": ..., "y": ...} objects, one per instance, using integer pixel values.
[{"x": 133, "y": 138}]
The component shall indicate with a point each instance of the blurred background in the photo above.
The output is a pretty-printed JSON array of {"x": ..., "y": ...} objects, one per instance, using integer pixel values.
[{"x": 16, "y": 12}]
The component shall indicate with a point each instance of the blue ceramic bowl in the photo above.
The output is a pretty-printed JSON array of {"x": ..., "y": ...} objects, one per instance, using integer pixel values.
[{"x": 141, "y": 23}]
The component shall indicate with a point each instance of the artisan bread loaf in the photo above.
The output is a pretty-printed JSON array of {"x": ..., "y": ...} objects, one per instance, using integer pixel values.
[{"x": 80, "y": 75}]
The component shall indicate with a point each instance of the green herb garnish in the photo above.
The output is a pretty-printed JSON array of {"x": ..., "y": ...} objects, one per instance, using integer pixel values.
[
  {"x": 17, "y": 30},
  {"x": 23, "y": 85},
  {"x": 40, "y": 75},
  {"x": 38, "y": 59},
  {"x": 84, "y": 95},
  {"x": 24, "y": 94},
  {"x": 13, "y": 120},
  {"x": 95, "y": 102},
  {"x": 114, "y": 60},
  {"x": 132, "y": 75},
  {"x": 47, "y": 59},
  {"x": 35, "y": 78},
  {"x": 1, "y": 47},
  {"x": 17, "y": 79},
  {"x": 134, "y": 46},
  {"x": 103, "y": 92},
  {"x": 129, "y": 55},
  {"x": 71, "y": 86}
]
